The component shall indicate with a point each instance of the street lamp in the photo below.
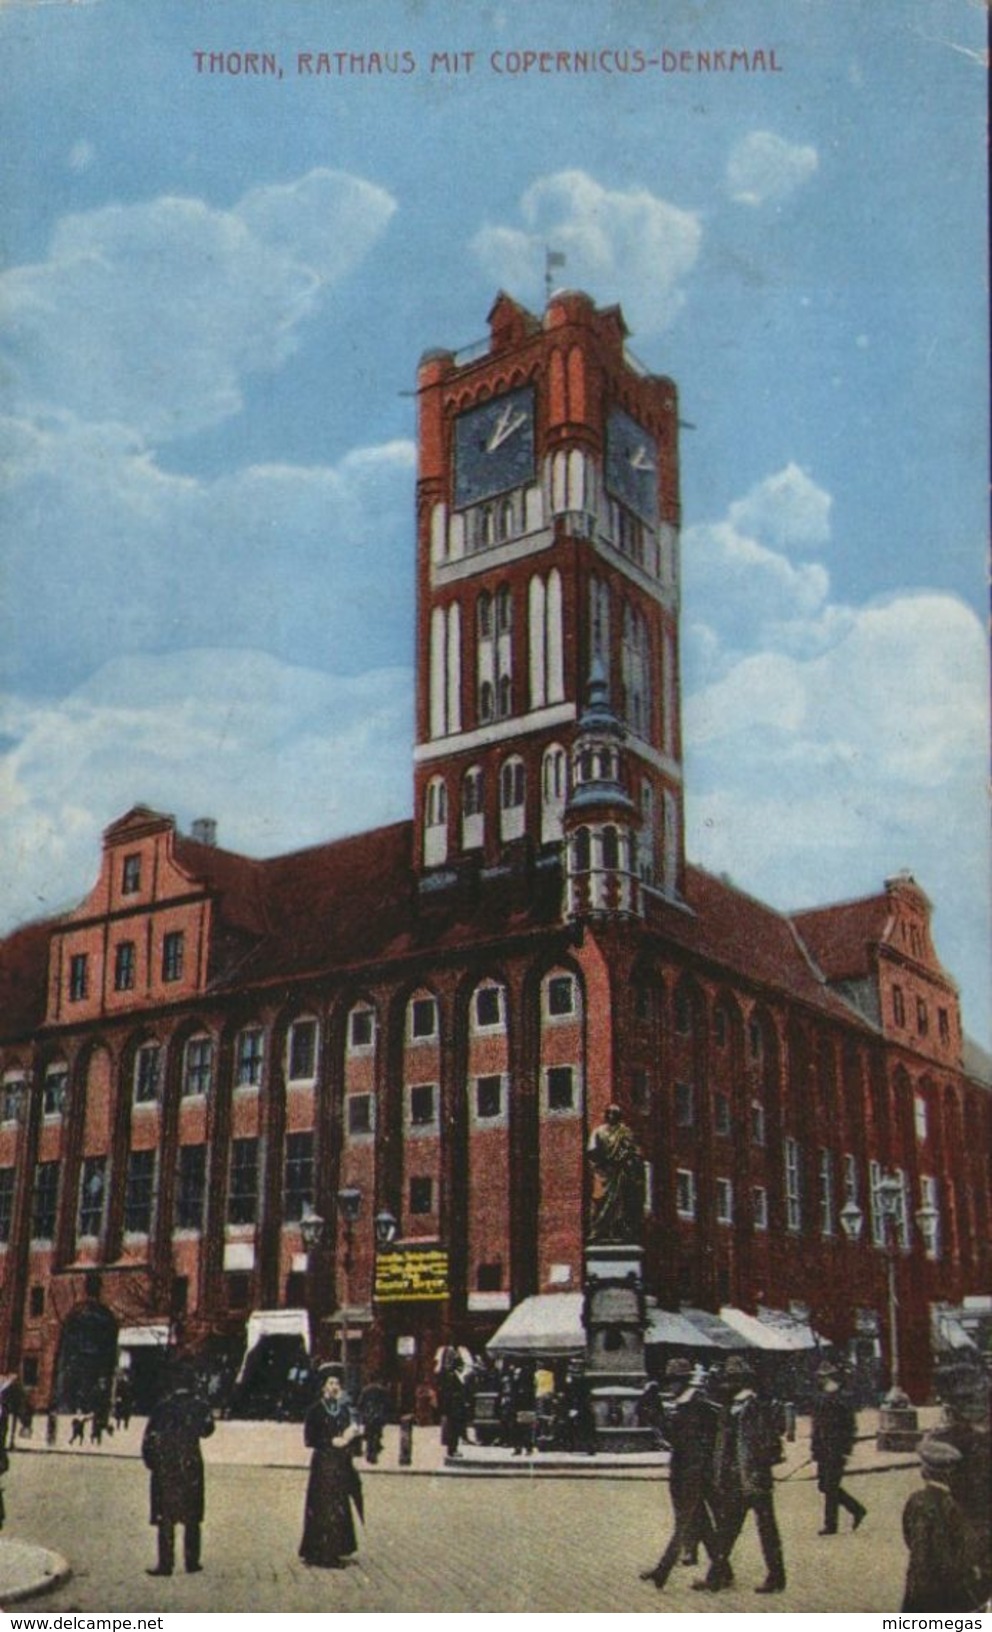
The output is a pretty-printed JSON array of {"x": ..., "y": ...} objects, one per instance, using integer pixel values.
[
  {"x": 852, "y": 1220},
  {"x": 385, "y": 1228},
  {"x": 349, "y": 1200},
  {"x": 313, "y": 1229}
]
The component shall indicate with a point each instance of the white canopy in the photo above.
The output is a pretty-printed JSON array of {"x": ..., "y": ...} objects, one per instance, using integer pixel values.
[
  {"x": 547, "y": 1323},
  {"x": 143, "y": 1337},
  {"x": 780, "y": 1332},
  {"x": 667, "y": 1326}
]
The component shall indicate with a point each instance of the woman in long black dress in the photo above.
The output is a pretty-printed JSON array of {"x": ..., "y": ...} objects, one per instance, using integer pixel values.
[{"x": 331, "y": 1431}]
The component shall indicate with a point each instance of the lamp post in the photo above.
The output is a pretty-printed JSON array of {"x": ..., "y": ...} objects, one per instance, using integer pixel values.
[
  {"x": 898, "y": 1427},
  {"x": 313, "y": 1229},
  {"x": 349, "y": 1206}
]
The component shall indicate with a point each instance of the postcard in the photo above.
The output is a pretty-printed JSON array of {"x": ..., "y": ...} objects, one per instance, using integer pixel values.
[{"x": 493, "y": 636}]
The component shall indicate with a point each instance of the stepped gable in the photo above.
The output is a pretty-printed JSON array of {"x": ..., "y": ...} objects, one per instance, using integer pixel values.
[
  {"x": 750, "y": 939},
  {"x": 24, "y": 979},
  {"x": 841, "y": 937}
]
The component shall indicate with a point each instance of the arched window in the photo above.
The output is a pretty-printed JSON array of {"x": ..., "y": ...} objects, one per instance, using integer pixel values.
[
  {"x": 552, "y": 793},
  {"x": 512, "y": 784},
  {"x": 512, "y": 787},
  {"x": 504, "y": 521},
  {"x": 504, "y": 610},
  {"x": 473, "y": 831},
  {"x": 485, "y": 703},
  {"x": 582, "y": 850},
  {"x": 435, "y": 822},
  {"x": 611, "y": 849},
  {"x": 505, "y": 697},
  {"x": 484, "y": 615}
]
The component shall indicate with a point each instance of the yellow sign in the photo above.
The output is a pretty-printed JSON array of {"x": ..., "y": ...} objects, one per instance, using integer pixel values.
[{"x": 411, "y": 1275}]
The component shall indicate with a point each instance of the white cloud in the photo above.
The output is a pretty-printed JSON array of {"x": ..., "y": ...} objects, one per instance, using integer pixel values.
[
  {"x": 787, "y": 510},
  {"x": 764, "y": 169},
  {"x": 630, "y": 246},
  {"x": 280, "y": 754},
  {"x": 173, "y": 560},
  {"x": 152, "y": 314}
]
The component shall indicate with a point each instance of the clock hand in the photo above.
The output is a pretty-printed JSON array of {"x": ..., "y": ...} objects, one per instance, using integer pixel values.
[
  {"x": 640, "y": 460},
  {"x": 506, "y": 426}
]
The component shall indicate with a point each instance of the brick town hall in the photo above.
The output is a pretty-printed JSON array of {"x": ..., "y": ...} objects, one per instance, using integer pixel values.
[{"x": 419, "y": 1025}]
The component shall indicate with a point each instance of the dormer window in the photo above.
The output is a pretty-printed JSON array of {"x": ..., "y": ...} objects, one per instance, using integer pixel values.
[
  {"x": 79, "y": 978},
  {"x": 172, "y": 955},
  {"x": 124, "y": 966},
  {"x": 131, "y": 875}
]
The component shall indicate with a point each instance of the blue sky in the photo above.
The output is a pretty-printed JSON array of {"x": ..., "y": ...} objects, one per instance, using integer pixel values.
[{"x": 213, "y": 296}]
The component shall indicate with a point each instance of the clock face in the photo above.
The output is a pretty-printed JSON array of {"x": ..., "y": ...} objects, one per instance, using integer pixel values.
[
  {"x": 632, "y": 466},
  {"x": 494, "y": 447}
]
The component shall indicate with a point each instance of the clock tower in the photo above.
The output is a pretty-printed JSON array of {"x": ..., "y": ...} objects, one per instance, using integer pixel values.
[{"x": 547, "y": 560}]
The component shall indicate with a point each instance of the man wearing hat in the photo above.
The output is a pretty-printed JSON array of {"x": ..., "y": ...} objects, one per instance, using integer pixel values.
[
  {"x": 964, "y": 1393},
  {"x": 170, "y": 1450},
  {"x": 834, "y": 1432},
  {"x": 943, "y": 1571},
  {"x": 747, "y": 1447},
  {"x": 688, "y": 1426}
]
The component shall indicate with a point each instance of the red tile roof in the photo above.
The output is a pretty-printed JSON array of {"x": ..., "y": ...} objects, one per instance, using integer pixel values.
[
  {"x": 24, "y": 979},
  {"x": 842, "y": 938}
]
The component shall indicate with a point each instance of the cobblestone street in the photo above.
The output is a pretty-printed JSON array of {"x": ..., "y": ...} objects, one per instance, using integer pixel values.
[{"x": 438, "y": 1542}]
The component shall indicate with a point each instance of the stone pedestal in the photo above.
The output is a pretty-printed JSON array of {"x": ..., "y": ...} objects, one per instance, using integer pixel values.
[
  {"x": 898, "y": 1424},
  {"x": 615, "y": 1319}
]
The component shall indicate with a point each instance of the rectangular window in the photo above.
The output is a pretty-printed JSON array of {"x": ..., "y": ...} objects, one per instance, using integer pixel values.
[
  {"x": 359, "y": 1111},
  {"x": 242, "y": 1186},
  {"x": 489, "y": 1278},
  {"x": 488, "y": 1098},
  {"x": 683, "y": 1012},
  {"x": 361, "y": 1028},
  {"x": 303, "y": 1051},
  {"x": 36, "y": 1302},
  {"x": 724, "y": 1201},
  {"x": 54, "y": 1093},
  {"x": 759, "y": 1207},
  {"x": 920, "y": 1118},
  {"x": 197, "y": 1067},
  {"x": 92, "y": 1190},
  {"x": 146, "y": 1063},
  {"x": 943, "y": 1025},
  {"x": 131, "y": 875},
  {"x": 898, "y": 1006},
  {"x": 298, "y": 1188},
  {"x": 561, "y": 995},
  {"x": 826, "y": 1176},
  {"x": 422, "y": 1194},
  {"x": 78, "y": 977},
  {"x": 423, "y": 1113},
  {"x": 757, "y": 1122},
  {"x": 139, "y": 1192},
  {"x": 721, "y": 1113},
  {"x": 793, "y": 1193},
  {"x": 44, "y": 1203},
  {"x": 423, "y": 1018},
  {"x": 922, "y": 1018},
  {"x": 192, "y": 1188},
  {"x": 561, "y": 1088},
  {"x": 124, "y": 966},
  {"x": 929, "y": 1196},
  {"x": 6, "y": 1202},
  {"x": 683, "y": 1105},
  {"x": 489, "y": 1006},
  {"x": 172, "y": 955},
  {"x": 12, "y": 1099},
  {"x": 685, "y": 1193},
  {"x": 250, "y": 1058}
]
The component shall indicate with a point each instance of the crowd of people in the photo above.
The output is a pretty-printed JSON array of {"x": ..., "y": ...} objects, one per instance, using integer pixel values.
[
  {"x": 726, "y": 1439},
  {"x": 724, "y": 1432}
]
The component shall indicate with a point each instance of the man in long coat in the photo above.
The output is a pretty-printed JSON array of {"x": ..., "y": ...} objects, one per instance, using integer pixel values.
[
  {"x": 834, "y": 1432},
  {"x": 746, "y": 1449},
  {"x": 943, "y": 1573},
  {"x": 688, "y": 1426},
  {"x": 171, "y": 1451}
]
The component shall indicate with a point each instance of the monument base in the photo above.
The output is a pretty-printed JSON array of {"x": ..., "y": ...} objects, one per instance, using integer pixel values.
[
  {"x": 615, "y": 1407},
  {"x": 898, "y": 1424}
]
